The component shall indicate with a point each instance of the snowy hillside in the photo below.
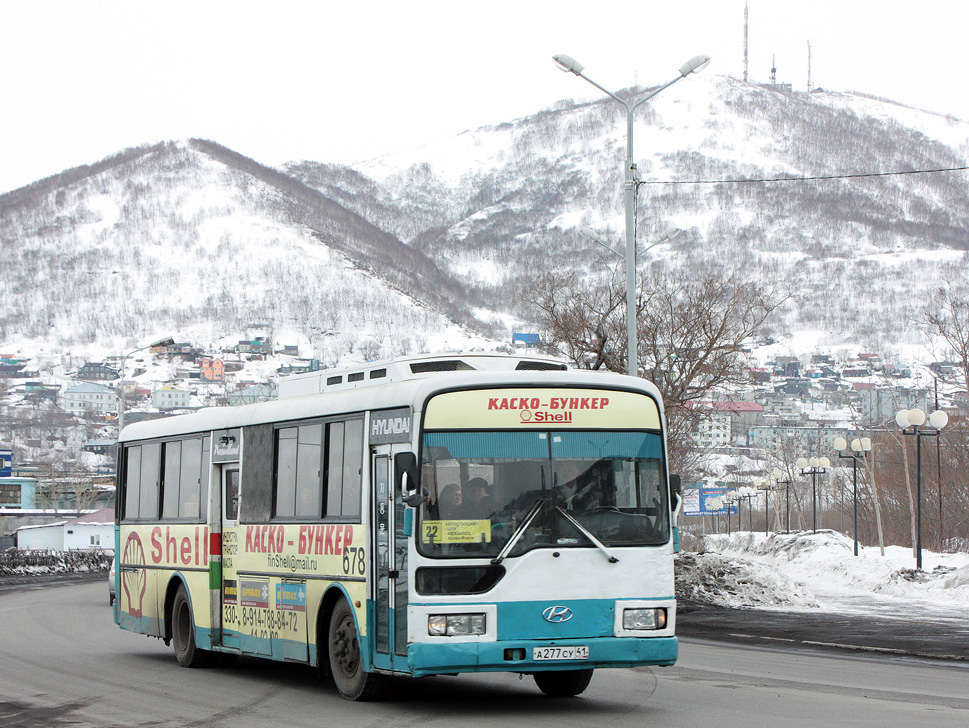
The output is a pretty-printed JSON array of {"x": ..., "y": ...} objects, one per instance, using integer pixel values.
[
  {"x": 432, "y": 248},
  {"x": 190, "y": 240},
  {"x": 504, "y": 203}
]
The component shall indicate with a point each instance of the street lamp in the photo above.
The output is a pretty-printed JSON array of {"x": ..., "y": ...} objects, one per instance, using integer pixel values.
[
  {"x": 764, "y": 485},
  {"x": 777, "y": 473},
  {"x": 860, "y": 447},
  {"x": 569, "y": 64},
  {"x": 717, "y": 504},
  {"x": 745, "y": 492},
  {"x": 161, "y": 342},
  {"x": 813, "y": 467},
  {"x": 732, "y": 497},
  {"x": 911, "y": 421}
]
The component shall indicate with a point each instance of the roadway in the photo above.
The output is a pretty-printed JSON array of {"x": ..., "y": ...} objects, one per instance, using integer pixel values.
[{"x": 64, "y": 663}]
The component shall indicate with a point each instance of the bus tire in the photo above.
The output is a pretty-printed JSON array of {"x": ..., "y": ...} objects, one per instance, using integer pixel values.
[
  {"x": 563, "y": 683},
  {"x": 183, "y": 632},
  {"x": 346, "y": 663}
]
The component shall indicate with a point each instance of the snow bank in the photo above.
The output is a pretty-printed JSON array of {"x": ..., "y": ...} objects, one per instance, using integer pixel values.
[
  {"x": 713, "y": 579},
  {"x": 820, "y": 570}
]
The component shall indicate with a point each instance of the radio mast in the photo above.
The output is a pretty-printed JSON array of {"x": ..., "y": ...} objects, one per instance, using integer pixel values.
[
  {"x": 746, "y": 26},
  {"x": 810, "y": 87}
]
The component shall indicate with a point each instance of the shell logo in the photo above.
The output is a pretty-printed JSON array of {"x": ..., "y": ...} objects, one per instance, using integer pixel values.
[{"x": 134, "y": 581}]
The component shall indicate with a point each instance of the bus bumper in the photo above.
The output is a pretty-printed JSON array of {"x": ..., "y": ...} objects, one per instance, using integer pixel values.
[{"x": 517, "y": 655}]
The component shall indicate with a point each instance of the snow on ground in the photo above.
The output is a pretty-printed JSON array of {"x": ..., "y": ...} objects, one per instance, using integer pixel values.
[{"x": 810, "y": 571}]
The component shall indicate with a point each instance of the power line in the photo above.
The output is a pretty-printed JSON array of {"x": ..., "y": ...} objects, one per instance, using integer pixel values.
[{"x": 762, "y": 180}]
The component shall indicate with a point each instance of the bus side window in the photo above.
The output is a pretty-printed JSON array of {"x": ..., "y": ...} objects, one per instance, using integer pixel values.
[
  {"x": 132, "y": 482},
  {"x": 150, "y": 482},
  {"x": 256, "y": 476}
]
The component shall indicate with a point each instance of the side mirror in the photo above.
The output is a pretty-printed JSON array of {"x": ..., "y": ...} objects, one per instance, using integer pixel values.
[
  {"x": 408, "y": 481},
  {"x": 675, "y": 497}
]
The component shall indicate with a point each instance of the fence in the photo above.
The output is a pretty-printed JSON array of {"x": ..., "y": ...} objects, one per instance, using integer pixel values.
[{"x": 14, "y": 562}]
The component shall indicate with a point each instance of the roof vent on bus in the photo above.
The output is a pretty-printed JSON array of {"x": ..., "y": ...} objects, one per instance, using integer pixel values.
[
  {"x": 445, "y": 365},
  {"x": 540, "y": 366}
]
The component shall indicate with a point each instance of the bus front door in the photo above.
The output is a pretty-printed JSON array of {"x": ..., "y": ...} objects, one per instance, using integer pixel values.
[
  {"x": 389, "y": 636},
  {"x": 231, "y": 614}
]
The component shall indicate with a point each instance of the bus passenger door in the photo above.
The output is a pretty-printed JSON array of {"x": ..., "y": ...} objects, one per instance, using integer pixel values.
[
  {"x": 389, "y": 634},
  {"x": 231, "y": 614}
]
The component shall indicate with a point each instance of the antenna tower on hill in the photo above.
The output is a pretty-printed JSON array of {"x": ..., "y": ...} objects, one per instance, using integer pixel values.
[
  {"x": 746, "y": 27},
  {"x": 810, "y": 86},
  {"x": 773, "y": 70}
]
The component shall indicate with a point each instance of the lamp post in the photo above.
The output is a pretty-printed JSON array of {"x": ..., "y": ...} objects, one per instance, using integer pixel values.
[
  {"x": 569, "y": 64},
  {"x": 860, "y": 447},
  {"x": 911, "y": 422},
  {"x": 764, "y": 485},
  {"x": 747, "y": 493},
  {"x": 777, "y": 473},
  {"x": 161, "y": 342},
  {"x": 717, "y": 503},
  {"x": 732, "y": 497},
  {"x": 813, "y": 467}
]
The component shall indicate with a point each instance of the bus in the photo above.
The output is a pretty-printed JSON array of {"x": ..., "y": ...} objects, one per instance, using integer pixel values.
[{"x": 432, "y": 515}]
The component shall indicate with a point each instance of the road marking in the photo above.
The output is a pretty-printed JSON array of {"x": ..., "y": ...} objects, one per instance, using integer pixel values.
[{"x": 761, "y": 637}]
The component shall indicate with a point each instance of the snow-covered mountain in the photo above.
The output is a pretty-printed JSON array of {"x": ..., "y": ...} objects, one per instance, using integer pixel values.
[
  {"x": 430, "y": 249},
  {"x": 861, "y": 254},
  {"x": 193, "y": 239}
]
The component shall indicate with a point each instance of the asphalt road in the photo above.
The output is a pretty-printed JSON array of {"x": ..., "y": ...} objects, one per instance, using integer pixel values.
[
  {"x": 64, "y": 663},
  {"x": 919, "y": 636}
]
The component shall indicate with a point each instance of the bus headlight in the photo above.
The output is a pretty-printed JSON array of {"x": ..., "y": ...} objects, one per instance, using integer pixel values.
[
  {"x": 644, "y": 619},
  {"x": 456, "y": 625}
]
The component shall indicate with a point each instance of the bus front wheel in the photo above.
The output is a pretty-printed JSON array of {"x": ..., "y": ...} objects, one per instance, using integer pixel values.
[
  {"x": 346, "y": 663},
  {"x": 183, "y": 632},
  {"x": 563, "y": 683}
]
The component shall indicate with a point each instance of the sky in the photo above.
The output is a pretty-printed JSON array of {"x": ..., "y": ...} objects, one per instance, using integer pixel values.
[{"x": 347, "y": 82}]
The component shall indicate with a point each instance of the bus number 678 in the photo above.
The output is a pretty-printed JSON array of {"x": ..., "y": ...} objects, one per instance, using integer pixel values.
[{"x": 354, "y": 560}]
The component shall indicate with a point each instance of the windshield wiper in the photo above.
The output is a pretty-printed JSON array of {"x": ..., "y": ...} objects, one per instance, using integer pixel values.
[
  {"x": 585, "y": 532},
  {"x": 522, "y": 527}
]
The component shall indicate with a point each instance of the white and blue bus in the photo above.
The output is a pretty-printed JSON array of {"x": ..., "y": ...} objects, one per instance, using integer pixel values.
[{"x": 423, "y": 516}]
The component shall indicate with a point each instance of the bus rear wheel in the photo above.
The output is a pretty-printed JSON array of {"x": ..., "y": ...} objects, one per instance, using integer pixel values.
[
  {"x": 346, "y": 663},
  {"x": 183, "y": 632},
  {"x": 563, "y": 683}
]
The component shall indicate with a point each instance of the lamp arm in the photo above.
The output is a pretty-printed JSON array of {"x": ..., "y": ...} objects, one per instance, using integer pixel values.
[
  {"x": 655, "y": 91},
  {"x": 604, "y": 90}
]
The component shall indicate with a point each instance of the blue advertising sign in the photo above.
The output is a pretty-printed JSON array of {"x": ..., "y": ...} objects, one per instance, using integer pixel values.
[{"x": 699, "y": 499}]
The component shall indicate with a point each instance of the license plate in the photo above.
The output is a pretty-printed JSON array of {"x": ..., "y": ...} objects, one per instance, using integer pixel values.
[{"x": 572, "y": 652}]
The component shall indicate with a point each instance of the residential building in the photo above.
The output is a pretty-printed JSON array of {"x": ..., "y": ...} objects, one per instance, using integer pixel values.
[
  {"x": 171, "y": 397},
  {"x": 100, "y": 447},
  {"x": 212, "y": 370},
  {"x": 713, "y": 431},
  {"x": 17, "y": 492},
  {"x": 878, "y": 405},
  {"x": 91, "y": 531},
  {"x": 97, "y": 372},
  {"x": 88, "y": 398}
]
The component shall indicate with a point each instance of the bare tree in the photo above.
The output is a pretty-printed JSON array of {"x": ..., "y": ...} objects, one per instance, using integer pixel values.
[
  {"x": 692, "y": 335},
  {"x": 949, "y": 321}
]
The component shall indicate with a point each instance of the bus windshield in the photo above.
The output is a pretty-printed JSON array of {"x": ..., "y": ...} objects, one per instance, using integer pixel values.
[{"x": 553, "y": 489}]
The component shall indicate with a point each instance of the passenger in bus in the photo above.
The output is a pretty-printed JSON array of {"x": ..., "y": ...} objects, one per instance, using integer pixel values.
[
  {"x": 449, "y": 502},
  {"x": 478, "y": 503},
  {"x": 576, "y": 484}
]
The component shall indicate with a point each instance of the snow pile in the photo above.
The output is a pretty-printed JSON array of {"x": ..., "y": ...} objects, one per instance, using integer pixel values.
[
  {"x": 822, "y": 571},
  {"x": 713, "y": 579}
]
